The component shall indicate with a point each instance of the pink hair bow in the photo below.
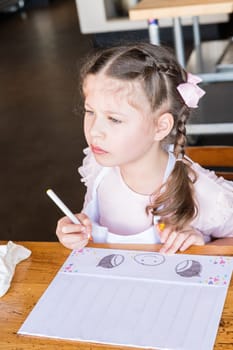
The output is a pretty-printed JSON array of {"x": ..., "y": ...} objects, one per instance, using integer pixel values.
[{"x": 190, "y": 92}]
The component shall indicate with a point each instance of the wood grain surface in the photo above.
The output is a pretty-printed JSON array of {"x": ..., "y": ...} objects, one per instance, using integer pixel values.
[
  {"x": 33, "y": 276},
  {"x": 146, "y": 9}
]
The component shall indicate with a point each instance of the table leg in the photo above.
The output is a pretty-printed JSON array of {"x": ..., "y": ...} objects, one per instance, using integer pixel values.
[
  {"x": 196, "y": 31},
  {"x": 179, "y": 42}
]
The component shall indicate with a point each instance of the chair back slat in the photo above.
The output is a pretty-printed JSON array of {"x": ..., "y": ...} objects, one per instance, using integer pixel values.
[{"x": 213, "y": 156}]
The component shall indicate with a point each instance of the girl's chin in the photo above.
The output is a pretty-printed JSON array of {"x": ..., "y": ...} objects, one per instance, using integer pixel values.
[{"x": 103, "y": 160}]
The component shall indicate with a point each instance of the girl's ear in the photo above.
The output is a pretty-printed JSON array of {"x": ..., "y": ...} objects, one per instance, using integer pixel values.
[{"x": 164, "y": 125}]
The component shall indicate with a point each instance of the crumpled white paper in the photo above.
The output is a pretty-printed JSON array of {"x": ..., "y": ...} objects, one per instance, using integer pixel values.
[{"x": 10, "y": 255}]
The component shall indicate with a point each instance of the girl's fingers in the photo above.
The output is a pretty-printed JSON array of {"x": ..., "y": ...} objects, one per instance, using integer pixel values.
[
  {"x": 74, "y": 240},
  {"x": 163, "y": 233},
  {"x": 72, "y": 228},
  {"x": 76, "y": 245},
  {"x": 178, "y": 242},
  {"x": 64, "y": 220},
  {"x": 182, "y": 241},
  {"x": 82, "y": 217},
  {"x": 80, "y": 245},
  {"x": 187, "y": 243},
  {"x": 74, "y": 237},
  {"x": 66, "y": 226},
  {"x": 193, "y": 239},
  {"x": 168, "y": 242},
  {"x": 86, "y": 222}
]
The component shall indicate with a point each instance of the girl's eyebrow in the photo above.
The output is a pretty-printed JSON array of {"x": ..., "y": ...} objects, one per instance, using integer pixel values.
[
  {"x": 121, "y": 114},
  {"x": 87, "y": 105}
]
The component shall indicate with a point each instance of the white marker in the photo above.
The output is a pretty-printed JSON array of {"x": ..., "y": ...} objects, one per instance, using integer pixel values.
[{"x": 63, "y": 207}]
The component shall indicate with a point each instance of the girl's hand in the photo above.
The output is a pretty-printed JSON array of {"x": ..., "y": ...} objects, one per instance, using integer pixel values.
[
  {"x": 179, "y": 240},
  {"x": 74, "y": 236}
]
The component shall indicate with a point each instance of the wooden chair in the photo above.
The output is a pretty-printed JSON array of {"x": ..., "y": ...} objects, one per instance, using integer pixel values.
[{"x": 219, "y": 158}]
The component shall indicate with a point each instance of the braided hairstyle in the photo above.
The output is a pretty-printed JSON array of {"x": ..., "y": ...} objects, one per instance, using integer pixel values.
[{"x": 156, "y": 68}]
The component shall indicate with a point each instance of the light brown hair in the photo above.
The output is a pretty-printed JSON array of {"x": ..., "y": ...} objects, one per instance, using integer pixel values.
[{"x": 159, "y": 73}]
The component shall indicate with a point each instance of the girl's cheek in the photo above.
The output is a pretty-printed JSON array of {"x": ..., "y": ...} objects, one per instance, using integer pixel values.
[{"x": 86, "y": 130}]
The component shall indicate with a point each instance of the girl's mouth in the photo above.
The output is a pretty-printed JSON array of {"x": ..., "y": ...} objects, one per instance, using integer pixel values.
[{"x": 97, "y": 150}]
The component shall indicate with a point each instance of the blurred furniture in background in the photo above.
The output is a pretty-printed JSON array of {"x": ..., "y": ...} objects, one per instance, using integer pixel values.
[
  {"x": 210, "y": 60},
  {"x": 206, "y": 59},
  {"x": 214, "y": 157},
  {"x": 11, "y": 5},
  {"x": 101, "y": 16}
]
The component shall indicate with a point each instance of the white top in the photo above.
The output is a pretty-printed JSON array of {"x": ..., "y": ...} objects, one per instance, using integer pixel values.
[{"x": 118, "y": 213}]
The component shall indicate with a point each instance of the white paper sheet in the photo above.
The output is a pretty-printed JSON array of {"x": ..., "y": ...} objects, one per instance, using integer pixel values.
[{"x": 134, "y": 298}]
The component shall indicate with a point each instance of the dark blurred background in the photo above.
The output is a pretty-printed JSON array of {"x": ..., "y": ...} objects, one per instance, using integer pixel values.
[{"x": 41, "y": 138}]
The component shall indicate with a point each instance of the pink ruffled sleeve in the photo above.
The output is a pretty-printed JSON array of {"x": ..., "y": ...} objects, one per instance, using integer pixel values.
[
  {"x": 214, "y": 196},
  {"x": 89, "y": 171}
]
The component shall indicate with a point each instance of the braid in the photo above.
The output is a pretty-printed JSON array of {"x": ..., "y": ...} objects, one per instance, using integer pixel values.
[
  {"x": 180, "y": 138},
  {"x": 176, "y": 195},
  {"x": 166, "y": 68},
  {"x": 156, "y": 79},
  {"x": 174, "y": 200}
]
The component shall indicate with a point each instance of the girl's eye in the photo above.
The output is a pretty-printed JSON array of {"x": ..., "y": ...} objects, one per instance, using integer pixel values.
[
  {"x": 88, "y": 112},
  {"x": 114, "y": 120}
]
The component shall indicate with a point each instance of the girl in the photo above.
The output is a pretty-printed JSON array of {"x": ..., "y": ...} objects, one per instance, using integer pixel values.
[{"x": 141, "y": 188}]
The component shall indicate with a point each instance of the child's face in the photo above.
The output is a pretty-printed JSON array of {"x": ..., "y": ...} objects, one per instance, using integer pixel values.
[{"x": 118, "y": 123}]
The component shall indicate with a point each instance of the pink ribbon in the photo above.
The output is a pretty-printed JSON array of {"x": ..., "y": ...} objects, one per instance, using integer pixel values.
[{"x": 190, "y": 92}]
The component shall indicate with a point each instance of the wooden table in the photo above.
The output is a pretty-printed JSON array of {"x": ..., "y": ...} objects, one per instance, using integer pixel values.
[
  {"x": 33, "y": 276},
  {"x": 179, "y": 8}
]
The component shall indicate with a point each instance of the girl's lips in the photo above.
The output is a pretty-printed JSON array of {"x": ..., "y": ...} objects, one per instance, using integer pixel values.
[{"x": 97, "y": 150}]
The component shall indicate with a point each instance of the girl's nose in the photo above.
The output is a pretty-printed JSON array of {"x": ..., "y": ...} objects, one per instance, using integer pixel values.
[{"x": 97, "y": 127}]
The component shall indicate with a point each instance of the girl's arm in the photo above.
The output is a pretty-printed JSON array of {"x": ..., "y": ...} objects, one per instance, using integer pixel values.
[
  {"x": 214, "y": 196},
  {"x": 222, "y": 241}
]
